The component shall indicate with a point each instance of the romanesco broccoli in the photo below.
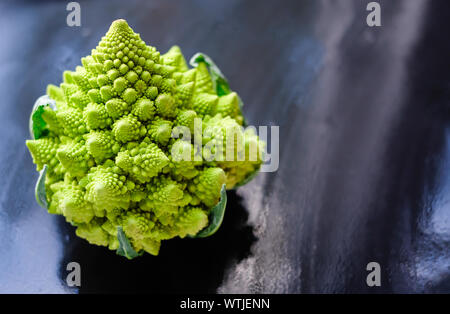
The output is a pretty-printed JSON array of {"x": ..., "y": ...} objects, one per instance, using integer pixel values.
[{"x": 113, "y": 167}]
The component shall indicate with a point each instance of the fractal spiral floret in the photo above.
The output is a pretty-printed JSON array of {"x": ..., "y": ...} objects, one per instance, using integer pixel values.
[{"x": 105, "y": 147}]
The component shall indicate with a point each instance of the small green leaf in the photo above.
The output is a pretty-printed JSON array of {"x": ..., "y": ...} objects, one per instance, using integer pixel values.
[
  {"x": 125, "y": 248},
  {"x": 220, "y": 83},
  {"x": 241, "y": 104},
  {"x": 215, "y": 216},
  {"x": 39, "y": 190},
  {"x": 37, "y": 125},
  {"x": 38, "y": 129}
]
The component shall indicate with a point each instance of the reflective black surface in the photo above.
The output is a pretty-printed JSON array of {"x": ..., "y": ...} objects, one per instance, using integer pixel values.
[{"x": 364, "y": 151}]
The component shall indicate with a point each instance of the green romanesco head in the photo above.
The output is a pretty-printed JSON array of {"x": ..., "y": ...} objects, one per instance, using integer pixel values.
[{"x": 109, "y": 147}]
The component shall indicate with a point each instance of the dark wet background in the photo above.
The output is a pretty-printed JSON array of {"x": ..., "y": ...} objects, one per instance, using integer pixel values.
[{"x": 364, "y": 152}]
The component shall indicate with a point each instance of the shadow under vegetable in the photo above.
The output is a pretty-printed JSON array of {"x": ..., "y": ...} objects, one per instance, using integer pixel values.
[{"x": 182, "y": 266}]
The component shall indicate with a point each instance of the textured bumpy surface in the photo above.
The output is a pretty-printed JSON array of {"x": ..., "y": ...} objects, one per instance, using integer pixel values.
[{"x": 113, "y": 167}]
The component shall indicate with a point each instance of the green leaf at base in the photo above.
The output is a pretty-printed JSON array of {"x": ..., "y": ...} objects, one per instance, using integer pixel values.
[
  {"x": 39, "y": 190},
  {"x": 125, "y": 248},
  {"x": 249, "y": 178},
  {"x": 251, "y": 175},
  {"x": 215, "y": 216}
]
